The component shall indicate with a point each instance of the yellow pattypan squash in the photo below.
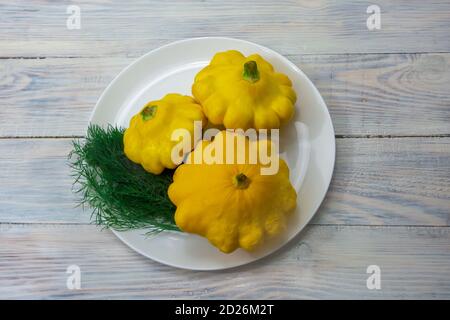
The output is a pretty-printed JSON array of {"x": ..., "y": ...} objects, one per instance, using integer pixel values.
[
  {"x": 232, "y": 205},
  {"x": 148, "y": 139},
  {"x": 244, "y": 92}
]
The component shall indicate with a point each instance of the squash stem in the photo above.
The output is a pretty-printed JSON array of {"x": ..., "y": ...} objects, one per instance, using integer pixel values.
[
  {"x": 148, "y": 112},
  {"x": 241, "y": 181},
  {"x": 251, "y": 72}
]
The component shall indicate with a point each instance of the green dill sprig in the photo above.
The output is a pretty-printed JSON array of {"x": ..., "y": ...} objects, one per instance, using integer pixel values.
[{"x": 122, "y": 195}]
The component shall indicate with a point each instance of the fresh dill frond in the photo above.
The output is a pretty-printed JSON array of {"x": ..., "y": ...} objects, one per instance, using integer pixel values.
[{"x": 122, "y": 195}]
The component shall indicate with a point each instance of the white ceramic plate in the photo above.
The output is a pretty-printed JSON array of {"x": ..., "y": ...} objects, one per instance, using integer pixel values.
[{"x": 307, "y": 143}]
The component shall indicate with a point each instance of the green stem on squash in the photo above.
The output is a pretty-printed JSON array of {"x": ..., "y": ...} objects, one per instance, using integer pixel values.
[
  {"x": 241, "y": 181},
  {"x": 251, "y": 72},
  {"x": 148, "y": 112}
]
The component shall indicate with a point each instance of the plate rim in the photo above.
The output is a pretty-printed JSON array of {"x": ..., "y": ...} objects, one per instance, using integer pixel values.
[{"x": 332, "y": 148}]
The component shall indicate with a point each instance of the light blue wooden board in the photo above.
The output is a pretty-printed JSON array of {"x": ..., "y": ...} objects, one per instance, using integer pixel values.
[
  {"x": 401, "y": 181},
  {"x": 388, "y": 203},
  {"x": 325, "y": 262},
  {"x": 375, "y": 94},
  {"x": 122, "y": 28}
]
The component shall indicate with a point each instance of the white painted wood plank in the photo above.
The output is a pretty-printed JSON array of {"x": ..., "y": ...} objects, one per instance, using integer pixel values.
[
  {"x": 402, "y": 181},
  {"x": 393, "y": 181},
  {"x": 325, "y": 262},
  {"x": 35, "y": 182},
  {"x": 383, "y": 94},
  {"x": 366, "y": 94},
  {"x": 119, "y": 28}
]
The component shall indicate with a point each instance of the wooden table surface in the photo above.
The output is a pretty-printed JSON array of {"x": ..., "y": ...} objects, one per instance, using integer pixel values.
[{"x": 388, "y": 92}]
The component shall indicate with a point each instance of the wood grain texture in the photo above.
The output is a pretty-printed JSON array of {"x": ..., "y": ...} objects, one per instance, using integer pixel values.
[
  {"x": 389, "y": 200},
  {"x": 376, "y": 182},
  {"x": 117, "y": 28},
  {"x": 399, "y": 181},
  {"x": 383, "y": 94},
  {"x": 324, "y": 262},
  {"x": 379, "y": 94}
]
